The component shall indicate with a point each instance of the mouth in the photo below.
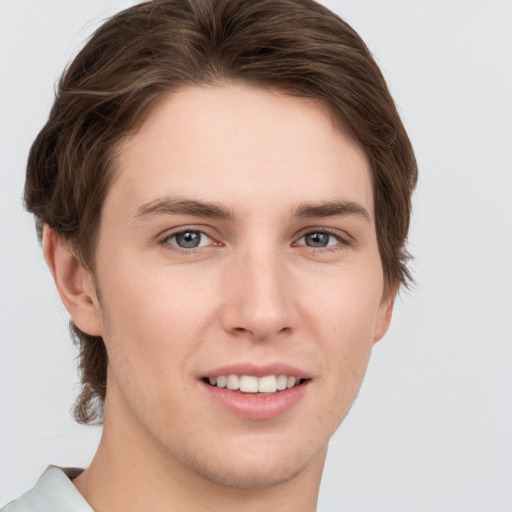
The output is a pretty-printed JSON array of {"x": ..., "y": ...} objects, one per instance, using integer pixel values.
[
  {"x": 252, "y": 385},
  {"x": 257, "y": 391}
]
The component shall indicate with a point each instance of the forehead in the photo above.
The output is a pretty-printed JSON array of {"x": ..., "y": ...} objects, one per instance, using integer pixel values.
[{"x": 240, "y": 144}]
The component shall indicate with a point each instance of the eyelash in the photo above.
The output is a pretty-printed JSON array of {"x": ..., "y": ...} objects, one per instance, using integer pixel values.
[
  {"x": 165, "y": 241},
  {"x": 343, "y": 241}
]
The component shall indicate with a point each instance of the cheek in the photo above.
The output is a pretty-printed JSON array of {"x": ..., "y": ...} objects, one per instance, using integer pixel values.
[
  {"x": 343, "y": 316},
  {"x": 158, "y": 317},
  {"x": 345, "y": 302}
]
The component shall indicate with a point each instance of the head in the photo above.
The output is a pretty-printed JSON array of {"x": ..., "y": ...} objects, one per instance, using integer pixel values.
[{"x": 134, "y": 65}]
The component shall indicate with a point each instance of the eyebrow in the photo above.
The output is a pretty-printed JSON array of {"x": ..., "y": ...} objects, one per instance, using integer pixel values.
[
  {"x": 170, "y": 206},
  {"x": 331, "y": 209},
  {"x": 173, "y": 206}
]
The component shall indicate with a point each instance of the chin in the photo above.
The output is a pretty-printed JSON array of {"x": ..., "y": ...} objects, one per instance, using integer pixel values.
[
  {"x": 258, "y": 468},
  {"x": 250, "y": 475}
]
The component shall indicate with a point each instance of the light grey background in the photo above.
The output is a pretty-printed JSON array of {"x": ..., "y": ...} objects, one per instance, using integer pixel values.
[{"x": 432, "y": 428}]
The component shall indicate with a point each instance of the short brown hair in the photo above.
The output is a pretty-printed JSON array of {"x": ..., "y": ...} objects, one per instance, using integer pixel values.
[{"x": 151, "y": 49}]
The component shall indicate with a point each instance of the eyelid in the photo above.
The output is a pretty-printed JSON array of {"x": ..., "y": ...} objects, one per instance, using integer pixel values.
[
  {"x": 205, "y": 230},
  {"x": 165, "y": 236},
  {"x": 342, "y": 236}
]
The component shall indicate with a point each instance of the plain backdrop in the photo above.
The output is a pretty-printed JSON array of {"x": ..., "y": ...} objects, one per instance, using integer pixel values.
[{"x": 431, "y": 430}]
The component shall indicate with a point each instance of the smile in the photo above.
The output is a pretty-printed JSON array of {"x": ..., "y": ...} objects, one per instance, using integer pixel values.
[
  {"x": 252, "y": 384},
  {"x": 263, "y": 396}
]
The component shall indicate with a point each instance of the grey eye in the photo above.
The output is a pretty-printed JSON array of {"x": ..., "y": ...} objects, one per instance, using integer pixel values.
[
  {"x": 190, "y": 239},
  {"x": 318, "y": 239}
]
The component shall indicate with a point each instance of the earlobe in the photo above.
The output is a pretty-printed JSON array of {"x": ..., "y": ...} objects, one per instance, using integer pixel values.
[
  {"x": 74, "y": 283},
  {"x": 385, "y": 312}
]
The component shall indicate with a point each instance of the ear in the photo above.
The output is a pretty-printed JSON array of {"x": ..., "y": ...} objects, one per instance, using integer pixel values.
[
  {"x": 74, "y": 283},
  {"x": 385, "y": 311}
]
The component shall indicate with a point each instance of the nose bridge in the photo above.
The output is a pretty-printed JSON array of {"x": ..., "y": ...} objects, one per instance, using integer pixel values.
[{"x": 257, "y": 294}]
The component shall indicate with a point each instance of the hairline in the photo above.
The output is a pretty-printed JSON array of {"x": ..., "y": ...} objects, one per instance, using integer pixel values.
[{"x": 114, "y": 157}]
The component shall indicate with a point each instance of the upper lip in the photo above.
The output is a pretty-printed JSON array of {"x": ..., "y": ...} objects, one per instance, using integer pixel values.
[{"x": 258, "y": 370}]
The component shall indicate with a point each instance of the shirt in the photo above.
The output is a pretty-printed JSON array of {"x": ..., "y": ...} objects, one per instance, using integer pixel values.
[{"x": 53, "y": 492}]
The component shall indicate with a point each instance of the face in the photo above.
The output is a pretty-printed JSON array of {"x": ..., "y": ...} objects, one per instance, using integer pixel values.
[{"x": 241, "y": 285}]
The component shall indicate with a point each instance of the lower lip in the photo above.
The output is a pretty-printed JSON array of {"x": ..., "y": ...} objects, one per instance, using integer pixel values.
[{"x": 257, "y": 407}]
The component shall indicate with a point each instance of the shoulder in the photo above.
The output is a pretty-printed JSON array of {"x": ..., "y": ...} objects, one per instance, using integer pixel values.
[{"x": 53, "y": 492}]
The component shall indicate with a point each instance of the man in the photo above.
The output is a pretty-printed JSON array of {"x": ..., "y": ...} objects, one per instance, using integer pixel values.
[{"x": 223, "y": 195}]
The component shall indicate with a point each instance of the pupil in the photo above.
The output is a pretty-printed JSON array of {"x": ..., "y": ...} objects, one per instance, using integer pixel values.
[
  {"x": 188, "y": 240},
  {"x": 317, "y": 239}
]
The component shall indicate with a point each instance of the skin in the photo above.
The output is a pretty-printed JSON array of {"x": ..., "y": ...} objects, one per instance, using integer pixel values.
[{"x": 253, "y": 291}]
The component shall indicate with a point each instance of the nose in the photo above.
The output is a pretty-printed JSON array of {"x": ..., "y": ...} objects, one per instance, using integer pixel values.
[{"x": 258, "y": 296}]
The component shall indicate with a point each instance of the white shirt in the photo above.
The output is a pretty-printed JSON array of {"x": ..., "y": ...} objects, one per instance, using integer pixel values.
[{"x": 53, "y": 492}]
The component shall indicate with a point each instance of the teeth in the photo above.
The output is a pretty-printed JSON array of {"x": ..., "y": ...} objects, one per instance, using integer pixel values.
[
  {"x": 281, "y": 382},
  {"x": 233, "y": 382},
  {"x": 252, "y": 384},
  {"x": 248, "y": 384},
  {"x": 267, "y": 384}
]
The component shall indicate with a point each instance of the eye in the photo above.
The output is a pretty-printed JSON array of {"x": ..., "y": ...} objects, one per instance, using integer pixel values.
[
  {"x": 189, "y": 239},
  {"x": 319, "y": 239}
]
